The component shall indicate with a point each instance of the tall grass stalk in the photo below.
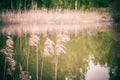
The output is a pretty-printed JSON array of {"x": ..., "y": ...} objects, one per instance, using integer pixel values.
[
  {"x": 42, "y": 65},
  {"x": 4, "y": 75},
  {"x": 28, "y": 51},
  {"x": 8, "y": 52},
  {"x": 56, "y": 66},
  {"x": 34, "y": 41},
  {"x": 48, "y": 48},
  {"x": 59, "y": 47},
  {"x": 36, "y": 62},
  {"x": 20, "y": 38},
  {"x": 4, "y": 53}
]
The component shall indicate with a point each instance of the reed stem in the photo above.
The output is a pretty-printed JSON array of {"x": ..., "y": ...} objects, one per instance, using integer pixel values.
[
  {"x": 36, "y": 62},
  {"x": 56, "y": 66},
  {"x": 4, "y": 70},
  {"x": 42, "y": 64}
]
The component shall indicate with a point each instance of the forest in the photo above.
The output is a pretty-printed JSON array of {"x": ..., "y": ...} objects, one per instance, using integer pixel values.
[{"x": 53, "y": 4}]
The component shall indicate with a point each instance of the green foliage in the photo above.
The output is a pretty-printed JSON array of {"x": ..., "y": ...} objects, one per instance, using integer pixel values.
[
  {"x": 77, "y": 55},
  {"x": 53, "y": 4}
]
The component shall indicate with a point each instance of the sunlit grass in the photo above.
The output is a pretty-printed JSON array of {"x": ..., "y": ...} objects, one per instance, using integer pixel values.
[{"x": 77, "y": 54}]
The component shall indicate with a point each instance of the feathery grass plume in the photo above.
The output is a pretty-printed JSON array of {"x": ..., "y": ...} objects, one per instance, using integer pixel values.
[
  {"x": 8, "y": 52},
  {"x": 9, "y": 56},
  {"x": 9, "y": 42},
  {"x": 34, "y": 41},
  {"x": 48, "y": 49},
  {"x": 59, "y": 47},
  {"x": 61, "y": 37}
]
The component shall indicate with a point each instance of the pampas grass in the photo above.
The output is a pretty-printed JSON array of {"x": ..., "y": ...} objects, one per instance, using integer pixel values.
[
  {"x": 48, "y": 50},
  {"x": 8, "y": 52},
  {"x": 34, "y": 41},
  {"x": 48, "y": 47},
  {"x": 59, "y": 47}
]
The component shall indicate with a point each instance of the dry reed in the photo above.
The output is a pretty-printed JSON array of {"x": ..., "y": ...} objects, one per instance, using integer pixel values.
[
  {"x": 34, "y": 41},
  {"x": 8, "y": 52},
  {"x": 59, "y": 47}
]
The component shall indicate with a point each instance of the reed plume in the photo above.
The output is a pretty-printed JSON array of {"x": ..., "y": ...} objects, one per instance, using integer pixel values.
[
  {"x": 34, "y": 41},
  {"x": 48, "y": 49},
  {"x": 59, "y": 47},
  {"x": 9, "y": 57},
  {"x": 8, "y": 53}
]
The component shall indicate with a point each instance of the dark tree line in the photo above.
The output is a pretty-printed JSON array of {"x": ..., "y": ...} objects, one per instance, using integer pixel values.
[{"x": 53, "y": 4}]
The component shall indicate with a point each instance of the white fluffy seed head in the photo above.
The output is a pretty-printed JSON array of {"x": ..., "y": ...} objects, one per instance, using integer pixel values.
[
  {"x": 59, "y": 48},
  {"x": 34, "y": 40},
  {"x": 48, "y": 47},
  {"x": 62, "y": 37},
  {"x": 9, "y": 42}
]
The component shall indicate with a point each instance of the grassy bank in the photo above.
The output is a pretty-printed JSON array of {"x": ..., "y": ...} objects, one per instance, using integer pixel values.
[{"x": 78, "y": 50}]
